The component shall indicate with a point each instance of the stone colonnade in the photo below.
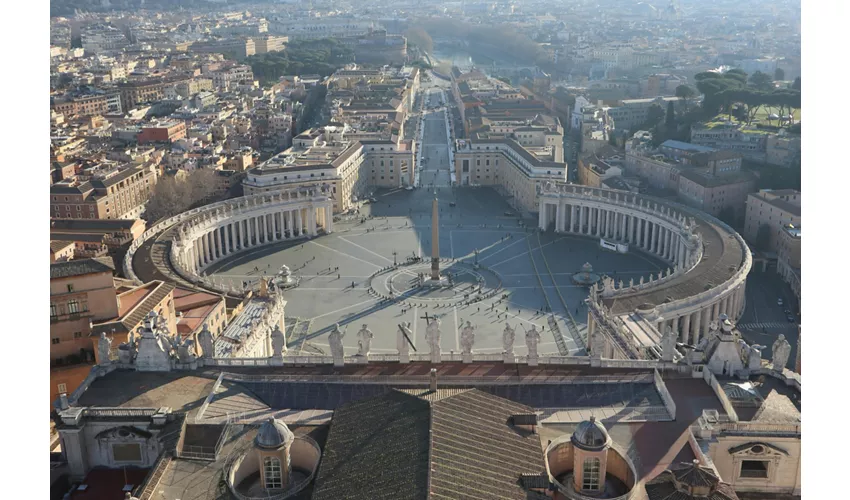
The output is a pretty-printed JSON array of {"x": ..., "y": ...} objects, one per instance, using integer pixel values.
[
  {"x": 659, "y": 229},
  {"x": 211, "y": 237},
  {"x": 620, "y": 220}
]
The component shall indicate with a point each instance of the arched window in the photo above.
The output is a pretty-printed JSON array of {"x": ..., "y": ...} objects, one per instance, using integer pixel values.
[
  {"x": 590, "y": 476},
  {"x": 271, "y": 467}
]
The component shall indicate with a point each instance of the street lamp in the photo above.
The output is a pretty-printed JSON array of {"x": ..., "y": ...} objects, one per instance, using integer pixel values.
[{"x": 395, "y": 263}]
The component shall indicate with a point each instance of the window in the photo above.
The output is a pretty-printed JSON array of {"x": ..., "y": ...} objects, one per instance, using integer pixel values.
[
  {"x": 754, "y": 469},
  {"x": 54, "y": 311},
  {"x": 54, "y": 340},
  {"x": 129, "y": 452},
  {"x": 70, "y": 288},
  {"x": 590, "y": 476},
  {"x": 62, "y": 388},
  {"x": 78, "y": 335},
  {"x": 73, "y": 307},
  {"x": 271, "y": 469}
]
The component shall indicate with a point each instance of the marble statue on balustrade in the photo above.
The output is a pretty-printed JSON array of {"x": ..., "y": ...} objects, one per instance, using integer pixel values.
[
  {"x": 127, "y": 350},
  {"x": 781, "y": 352},
  {"x": 154, "y": 346},
  {"x": 467, "y": 339},
  {"x": 104, "y": 346},
  {"x": 668, "y": 345},
  {"x": 403, "y": 342},
  {"x": 335, "y": 343},
  {"x": 186, "y": 350},
  {"x": 278, "y": 342},
  {"x": 532, "y": 338},
  {"x": 432, "y": 336},
  {"x": 205, "y": 339},
  {"x": 364, "y": 341},
  {"x": 508, "y": 338},
  {"x": 754, "y": 357}
]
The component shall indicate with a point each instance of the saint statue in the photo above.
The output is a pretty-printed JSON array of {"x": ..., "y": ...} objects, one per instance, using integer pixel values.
[
  {"x": 365, "y": 341},
  {"x": 432, "y": 335},
  {"x": 467, "y": 338},
  {"x": 532, "y": 337},
  {"x": 205, "y": 338},
  {"x": 335, "y": 341},
  {"x": 401, "y": 340},
  {"x": 508, "y": 336},
  {"x": 104, "y": 345},
  {"x": 781, "y": 351},
  {"x": 278, "y": 342},
  {"x": 186, "y": 351}
]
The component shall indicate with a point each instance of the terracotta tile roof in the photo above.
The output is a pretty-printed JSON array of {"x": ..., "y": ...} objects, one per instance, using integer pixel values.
[{"x": 133, "y": 316}]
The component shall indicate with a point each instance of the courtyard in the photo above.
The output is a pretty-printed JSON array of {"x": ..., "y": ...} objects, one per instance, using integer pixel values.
[{"x": 345, "y": 277}]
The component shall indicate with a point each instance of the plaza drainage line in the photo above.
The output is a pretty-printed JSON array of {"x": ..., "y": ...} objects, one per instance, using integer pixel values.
[
  {"x": 556, "y": 332},
  {"x": 571, "y": 324}
]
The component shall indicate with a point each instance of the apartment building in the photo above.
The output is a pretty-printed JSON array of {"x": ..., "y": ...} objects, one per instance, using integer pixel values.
[
  {"x": 134, "y": 93},
  {"x": 326, "y": 156},
  {"x": 749, "y": 141},
  {"x": 269, "y": 43},
  {"x": 86, "y": 105},
  {"x": 119, "y": 194},
  {"x": 168, "y": 131},
  {"x": 500, "y": 161},
  {"x": 81, "y": 292},
  {"x": 631, "y": 113},
  {"x": 775, "y": 209},
  {"x": 788, "y": 258},
  {"x": 715, "y": 184},
  {"x": 235, "y": 48},
  {"x": 593, "y": 171}
]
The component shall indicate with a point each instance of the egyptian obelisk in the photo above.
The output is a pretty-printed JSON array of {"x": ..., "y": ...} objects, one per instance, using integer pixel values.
[{"x": 435, "y": 241}]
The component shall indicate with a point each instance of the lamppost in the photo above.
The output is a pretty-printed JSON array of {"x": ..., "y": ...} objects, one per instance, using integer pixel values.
[{"x": 395, "y": 263}]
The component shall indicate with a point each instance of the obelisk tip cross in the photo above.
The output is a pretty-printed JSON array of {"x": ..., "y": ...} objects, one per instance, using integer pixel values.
[{"x": 435, "y": 241}]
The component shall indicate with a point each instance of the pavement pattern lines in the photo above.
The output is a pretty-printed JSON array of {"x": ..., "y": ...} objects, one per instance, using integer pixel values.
[{"x": 330, "y": 264}]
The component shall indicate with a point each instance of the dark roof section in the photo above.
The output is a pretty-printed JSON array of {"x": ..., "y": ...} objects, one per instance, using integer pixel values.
[
  {"x": 688, "y": 475},
  {"x": 80, "y": 267},
  {"x": 708, "y": 180},
  {"x": 92, "y": 224},
  {"x": 476, "y": 453},
  {"x": 377, "y": 449}
]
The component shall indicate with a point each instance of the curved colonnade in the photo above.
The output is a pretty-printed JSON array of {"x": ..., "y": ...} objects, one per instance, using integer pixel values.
[
  {"x": 709, "y": 263},
  {"x": 206, "y": 235}
]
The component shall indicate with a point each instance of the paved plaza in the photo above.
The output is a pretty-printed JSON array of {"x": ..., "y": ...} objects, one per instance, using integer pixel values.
[{"x": 398, "y": 227}]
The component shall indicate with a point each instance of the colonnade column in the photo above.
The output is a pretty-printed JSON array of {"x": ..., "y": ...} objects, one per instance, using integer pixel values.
[
  {"x": 219, "y": 246},
  {"x": 289, "y": 224},
  {"x": 686, "y": 329},
  {"x": 706, "y": 320},
  {"x": 696, "y": 335},
  {"x": 298, "y": 223},
  {"x": 676, "y": 325}
]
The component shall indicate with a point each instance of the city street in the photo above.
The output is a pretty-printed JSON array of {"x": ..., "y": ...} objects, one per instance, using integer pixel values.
[
  {"x": 763, "y": 318},
  {"x": 435, "y": 169}
]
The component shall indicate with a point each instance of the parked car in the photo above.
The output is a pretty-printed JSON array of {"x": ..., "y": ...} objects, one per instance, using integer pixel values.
[
  {"x": 509, "y": 214},
  {"x": 452, "y": 204},
  {"x": 791, "y": 318},
  {"x": 779, "y": 301},
  {"x": 788, "y": 312}
]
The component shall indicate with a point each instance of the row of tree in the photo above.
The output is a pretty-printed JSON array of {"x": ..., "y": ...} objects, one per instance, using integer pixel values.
[
  {"x": 725, "y": 91},
  {"x": 301, "y": 57},
  {"x": 175, "y": 194},
  {"x": 504, "y": 37}
]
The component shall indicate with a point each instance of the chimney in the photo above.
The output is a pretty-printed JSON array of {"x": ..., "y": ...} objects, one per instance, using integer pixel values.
[
  {"x": 433, "y": 379},
  {"x": 63, "y": 402}
]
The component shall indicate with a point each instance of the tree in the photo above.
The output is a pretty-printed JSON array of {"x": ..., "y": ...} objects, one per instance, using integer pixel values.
[
  {"x": 654, "y": 114},
  {"x": 670, "y": 121},
  {"x": 779, "y": 74},
  {"x": 686, "y": 93},
  {"x": 761, "y": 81},
  {"x": 796, "y": 84},
  {"x": 504, "y": 79},
  {"x": 763, "y": 238},
  {"x": 173, "y": 195}
]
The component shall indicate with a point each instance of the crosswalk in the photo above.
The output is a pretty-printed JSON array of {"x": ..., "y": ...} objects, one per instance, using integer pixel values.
[{"x": 762, "y": 326}]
